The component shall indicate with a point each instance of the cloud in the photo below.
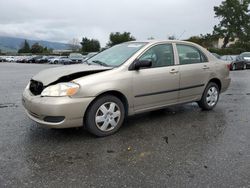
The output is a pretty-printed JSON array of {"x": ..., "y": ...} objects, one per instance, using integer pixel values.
[{"x": 62, "y": 20}]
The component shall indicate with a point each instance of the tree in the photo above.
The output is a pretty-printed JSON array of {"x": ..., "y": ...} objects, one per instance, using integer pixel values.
[
  {"x": 117, "y": 38},
  {"x": 207, "y": 41},
  {"x": 25, "y": 47},
  {"x": 36, "y": 48},
  {"x": 151, "y": 38},
  {"x": 47, "y": 50},
  {"x": 171, "y": 37},
  {"x": 234, "y": 20},
  {"x": 74, "y": 45},
  {"x": 90, "y": 45}
]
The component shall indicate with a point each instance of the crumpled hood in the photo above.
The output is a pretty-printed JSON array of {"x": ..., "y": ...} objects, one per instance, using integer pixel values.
[{"x": 71, "y": 72}]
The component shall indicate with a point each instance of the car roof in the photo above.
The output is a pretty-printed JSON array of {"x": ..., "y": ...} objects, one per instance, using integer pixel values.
[{"x": 161, "y": 41}]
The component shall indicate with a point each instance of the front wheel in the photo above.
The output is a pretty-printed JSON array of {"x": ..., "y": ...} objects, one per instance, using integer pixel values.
[
  {"x": 105, "y": 116},
  {"x": 210, "y": 97},
  {"x": 244, "y": 67}
]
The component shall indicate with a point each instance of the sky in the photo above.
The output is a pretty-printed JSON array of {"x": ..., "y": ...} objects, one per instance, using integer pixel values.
[{"x": 63, "y": 20}]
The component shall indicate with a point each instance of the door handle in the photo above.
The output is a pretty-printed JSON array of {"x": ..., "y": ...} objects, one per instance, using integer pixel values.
[
  {"x": 174, "y": 71},
  {"x": 205, "y": 67}
]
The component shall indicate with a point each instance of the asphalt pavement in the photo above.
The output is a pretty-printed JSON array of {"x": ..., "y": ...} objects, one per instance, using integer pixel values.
[{"x": 176, "y": 147}]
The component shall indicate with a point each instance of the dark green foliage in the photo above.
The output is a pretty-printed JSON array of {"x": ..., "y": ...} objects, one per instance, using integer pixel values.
[
  {"x": 207, "y": 41},
  {"x": 117, "y": 38},
  {"x": 234, "y": 23},
  {"x": 234, "y": 20},
  {"x": 226, "y": 51},
  {"x": 36, "y": 48},
  {"x": 172, "y": 37},
  {"x": 90, "y": 45},
  {"x": 245, "y": 46},
  {"x": 25, "y": 47}
]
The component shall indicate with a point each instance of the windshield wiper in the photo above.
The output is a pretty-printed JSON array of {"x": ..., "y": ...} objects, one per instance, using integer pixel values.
[
  {"x": 86, "y": 61},
  {"x": 100, "y": 63}
]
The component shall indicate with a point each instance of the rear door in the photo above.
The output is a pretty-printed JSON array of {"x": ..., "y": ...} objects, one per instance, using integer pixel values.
[{"x": 194, "y": 72}]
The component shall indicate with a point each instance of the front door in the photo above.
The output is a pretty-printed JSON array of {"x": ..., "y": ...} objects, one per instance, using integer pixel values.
[{"x": 158, "y": 85}]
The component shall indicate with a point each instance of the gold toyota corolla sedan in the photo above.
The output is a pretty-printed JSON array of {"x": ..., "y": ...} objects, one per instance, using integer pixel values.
[{"x": 124, "y": 80}]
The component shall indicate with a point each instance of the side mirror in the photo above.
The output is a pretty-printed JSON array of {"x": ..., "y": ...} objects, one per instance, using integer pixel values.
[{"x": 138, "y": 64}]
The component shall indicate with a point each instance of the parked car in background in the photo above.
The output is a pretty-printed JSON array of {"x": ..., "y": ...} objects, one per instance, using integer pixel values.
[
  {"x": 9, "y": 59},
  {"x": 126, "y": 79},
  {"x": 54, "y": 60},
  {"x": 235, "y": 62},
  {"x": 19, "y": 59},
  {"x": 76, "y": 57},
  {"x": 33, "y": 59},
  {"x": 91, "y": 54},
  {"x": 65, "y": 60},
  {"x": 26, "y": 59},
  {"x": 2, "y": 59},
  {"x": 41, "y": 59},
  {"x": 29, "y": 59},
  {"x": 246, "y": 57}
]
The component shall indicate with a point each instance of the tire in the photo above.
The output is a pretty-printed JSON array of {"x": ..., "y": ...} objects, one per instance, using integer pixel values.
[
  {"x": 211, "y": 89},
  {"x": 244, "y": 67},
  {"x": 55, "y": 62},
  {"x": 233, "y": 67},
  {"x": 105, "y": 116}
]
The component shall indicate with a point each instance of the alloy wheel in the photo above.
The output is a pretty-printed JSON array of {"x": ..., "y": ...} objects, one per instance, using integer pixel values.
[
  {"x": 212, "y": 96},
  {"x": 107, "y": 116}
]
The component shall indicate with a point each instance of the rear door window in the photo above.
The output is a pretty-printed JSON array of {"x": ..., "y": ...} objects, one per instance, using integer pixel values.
[{"x": 190, "y": 55}]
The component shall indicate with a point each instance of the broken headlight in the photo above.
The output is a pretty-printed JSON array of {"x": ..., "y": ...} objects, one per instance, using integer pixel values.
[{"x": 61, "y": 89}]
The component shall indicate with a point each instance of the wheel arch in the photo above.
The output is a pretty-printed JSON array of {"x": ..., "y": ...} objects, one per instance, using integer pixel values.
[
  {"x": 217, "y": 81},
  {"x": 115, "y": 93}
]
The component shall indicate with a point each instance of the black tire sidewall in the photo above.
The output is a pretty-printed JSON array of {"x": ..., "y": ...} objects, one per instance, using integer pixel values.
[
  {"x": 203, "y": 102},
  {"x": 234, "y": 67},
  {"x": 91, "y": 112}
]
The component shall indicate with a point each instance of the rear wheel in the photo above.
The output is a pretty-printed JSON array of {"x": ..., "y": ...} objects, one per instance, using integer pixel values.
[
  {"x": 233, "y": 67},
  {"x": 244, "y": 67},
  {"x": 210, "y": 97},
  {"x": 105, "y": 116}
]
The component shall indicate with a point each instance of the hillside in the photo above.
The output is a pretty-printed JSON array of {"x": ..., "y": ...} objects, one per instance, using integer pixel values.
[{"x": 12, "y": 44}]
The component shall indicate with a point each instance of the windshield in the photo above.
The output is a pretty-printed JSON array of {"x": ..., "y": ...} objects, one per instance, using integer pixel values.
[
  {"x": 116, "y": 55},
  {"x": 234, "y": 57},
  {"x": 246, "y": 54}
]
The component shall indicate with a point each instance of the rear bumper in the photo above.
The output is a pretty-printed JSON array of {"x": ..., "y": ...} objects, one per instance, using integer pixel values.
[
  {"x": 248, "y": 64},
  {"x": 55, "y": 112},
  {"x": 225, "y": 84}
]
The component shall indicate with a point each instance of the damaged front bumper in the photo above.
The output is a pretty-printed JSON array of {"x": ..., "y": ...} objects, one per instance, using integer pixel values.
[{"x": 55, "y": 112}]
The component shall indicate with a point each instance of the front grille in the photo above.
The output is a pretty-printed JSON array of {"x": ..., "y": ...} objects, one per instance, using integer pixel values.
[{"x": 36, "y": 87}]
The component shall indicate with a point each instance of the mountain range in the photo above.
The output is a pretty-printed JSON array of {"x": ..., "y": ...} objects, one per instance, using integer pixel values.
[{"x": 12, "y": 44}]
